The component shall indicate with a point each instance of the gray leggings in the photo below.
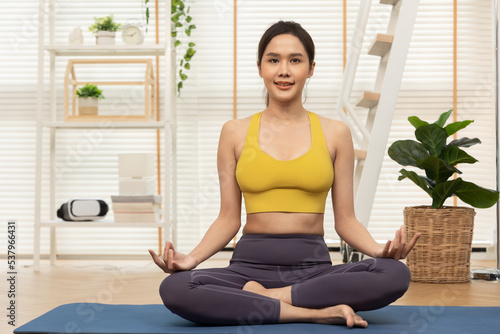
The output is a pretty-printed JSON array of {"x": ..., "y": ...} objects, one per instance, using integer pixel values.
[{"x": 214, "y": 296}]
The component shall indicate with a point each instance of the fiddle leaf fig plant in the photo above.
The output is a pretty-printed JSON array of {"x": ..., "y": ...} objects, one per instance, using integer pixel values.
[{"x": 438, "y": 159}]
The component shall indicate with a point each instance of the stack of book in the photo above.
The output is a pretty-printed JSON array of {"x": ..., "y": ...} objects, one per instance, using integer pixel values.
[
  {"x": 135, "y": 209},
  {"x": 137, "y": 201}
]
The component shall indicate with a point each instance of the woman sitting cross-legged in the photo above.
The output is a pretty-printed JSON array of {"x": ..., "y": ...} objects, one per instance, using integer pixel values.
[{"x": 284, "y": 160}]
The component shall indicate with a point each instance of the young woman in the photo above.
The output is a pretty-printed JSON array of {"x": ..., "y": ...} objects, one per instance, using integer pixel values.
[{"x": 284, "y": 160}]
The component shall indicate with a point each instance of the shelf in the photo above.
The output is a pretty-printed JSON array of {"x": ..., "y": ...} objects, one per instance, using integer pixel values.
[
  {"x": 381, "y": 45},
  {"x": 107, "y": 50},
  {"x": 389, "y": 2},
  {"x": 105, "y": 125},
  {"x": 72, "y": 84},
  {"x": 101, "y": 57},
  {"x": 368, "y": 100},
  {"x": 360, "y": 154},
  {"x": 98, "y": 223}
]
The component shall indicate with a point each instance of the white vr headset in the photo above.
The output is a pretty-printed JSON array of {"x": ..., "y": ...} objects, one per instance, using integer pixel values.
[{"x": 80, "y": 209}]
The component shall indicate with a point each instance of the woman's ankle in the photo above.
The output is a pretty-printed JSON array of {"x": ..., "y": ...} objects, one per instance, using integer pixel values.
[{"x": 283, "y": 294}]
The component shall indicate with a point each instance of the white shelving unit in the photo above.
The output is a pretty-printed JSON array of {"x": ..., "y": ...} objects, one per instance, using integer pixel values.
[
  {"x": 53, "y": 125},
  {"x": 107, "y": 50}
]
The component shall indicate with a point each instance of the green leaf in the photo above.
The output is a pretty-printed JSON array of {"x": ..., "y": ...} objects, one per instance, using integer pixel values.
[
  {"x": 175, "y": 2},
  {"x": 187, "y": 66},
  {"x": 183, "y": 77},
  {"x": 416, "y": 122},
  {"x": 454, "y": 127},
  {"x": 89, "y": 90},
  {"x": 178, "y": 25},
  {"x": 177, "y": 43},
  {"x": 192, "y": 26},
  {"x": 182, "y": 62},
  {"x": 452, "y": 155},
  {"x": 190, "y": 52},
  {"x": 430, "y": 183},
  {"x": 444, "y": 190},
  {"x": 433, "y": 137},
  {"x": 176, "y": 17},
  {"x": 188, "y": 32},
  {"x": 443, "y": 118},
  {"x": 477, "y": 196},
  {"x": 406, "y": 152},
  {"x": 418, "y": 180},
  {"x": 464, "y": 142},
  {"x": 436, "y": 169},
  {"x": 188, "y": 19},
  {"x": 181, "y": 5},
  {"x": 191, "y": 44},
  {"x": 104, "y": 24},
  {"x": 179, "y": 86},
  {"x": 174, "y": 33}
]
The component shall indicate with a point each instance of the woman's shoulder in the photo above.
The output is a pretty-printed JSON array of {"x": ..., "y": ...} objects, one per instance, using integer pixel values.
[
  {"x": 235, "y": 130},
  {"x": 238, "y": 125},
  {"x": 333, "y": 125}
]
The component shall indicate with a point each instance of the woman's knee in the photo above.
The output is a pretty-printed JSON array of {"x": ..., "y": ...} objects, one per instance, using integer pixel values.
[
  {"x": 173, "y": 288},
  {"x": 397, "y": 275}
]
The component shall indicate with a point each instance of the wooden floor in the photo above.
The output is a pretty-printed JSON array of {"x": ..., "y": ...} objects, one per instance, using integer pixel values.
[{"x": 137, "y": 281}]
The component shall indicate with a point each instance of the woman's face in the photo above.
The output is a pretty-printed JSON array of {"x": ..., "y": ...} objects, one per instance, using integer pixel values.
[{"x": 285, "y": 68}]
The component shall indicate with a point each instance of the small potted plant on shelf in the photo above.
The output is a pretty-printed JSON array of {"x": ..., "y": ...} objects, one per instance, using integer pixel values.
[
  {"x": 442, "y": 254},
  {"x": 105, "y": 29},
  {"x": 88, "y": 97}
]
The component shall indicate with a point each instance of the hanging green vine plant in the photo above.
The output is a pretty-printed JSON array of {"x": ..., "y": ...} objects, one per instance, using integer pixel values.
[
  {"x": 182, "y": 23},
  {"x": 147, "y": 14}
]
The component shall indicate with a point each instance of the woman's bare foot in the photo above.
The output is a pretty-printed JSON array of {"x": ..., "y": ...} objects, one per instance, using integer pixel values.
[
  {"x": 342, "y": 315},
  {"x": 284, "y": 294},
  {"x": 334, "y": 315}
]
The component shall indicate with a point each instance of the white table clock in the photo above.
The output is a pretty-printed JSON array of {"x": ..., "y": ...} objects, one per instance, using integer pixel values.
[{"x": 132, "y": 34}]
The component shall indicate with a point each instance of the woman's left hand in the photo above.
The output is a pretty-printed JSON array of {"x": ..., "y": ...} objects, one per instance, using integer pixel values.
[{"x": 397, "y": 248}]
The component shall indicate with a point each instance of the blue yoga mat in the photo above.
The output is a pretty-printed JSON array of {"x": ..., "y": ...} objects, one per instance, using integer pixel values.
[{"x": 155, "y": 319}]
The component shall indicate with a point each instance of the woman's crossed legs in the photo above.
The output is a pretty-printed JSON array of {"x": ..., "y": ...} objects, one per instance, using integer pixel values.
[{"x": 248, "y": 294}]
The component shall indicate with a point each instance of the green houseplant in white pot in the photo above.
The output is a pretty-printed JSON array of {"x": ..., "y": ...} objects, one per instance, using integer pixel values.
[
  {"x": 88, "y": 99},
  {"x": 442, "y": 254},
  {"x": 105, "y": 29}
]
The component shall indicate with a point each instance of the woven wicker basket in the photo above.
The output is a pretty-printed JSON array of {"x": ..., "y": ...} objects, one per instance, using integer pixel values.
[{"x": 442, "y": 254}]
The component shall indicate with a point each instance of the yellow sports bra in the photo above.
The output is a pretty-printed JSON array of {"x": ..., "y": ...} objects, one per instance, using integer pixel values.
[{"x": 298, "y": 185}]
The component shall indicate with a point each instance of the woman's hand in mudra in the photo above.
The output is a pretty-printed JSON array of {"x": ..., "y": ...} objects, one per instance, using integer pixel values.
[
  {"x": 173, "y": 261},
  {"x": 397, "y": 248}
]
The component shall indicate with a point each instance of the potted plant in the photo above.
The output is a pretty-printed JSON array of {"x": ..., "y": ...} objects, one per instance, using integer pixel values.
[
  {"x": 88, "y": 97},
  {"x": 442, "y": 254},
  {"x": 105, "y": 29}
]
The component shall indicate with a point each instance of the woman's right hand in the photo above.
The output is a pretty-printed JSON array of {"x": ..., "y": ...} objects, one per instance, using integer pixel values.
[{"x": 173, "y": 261}]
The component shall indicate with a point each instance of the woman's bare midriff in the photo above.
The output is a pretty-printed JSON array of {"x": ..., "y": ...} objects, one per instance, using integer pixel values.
[{"x": 284, "y": 223}]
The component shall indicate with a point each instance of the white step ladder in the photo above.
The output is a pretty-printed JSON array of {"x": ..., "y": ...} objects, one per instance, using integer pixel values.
[{"x": 371, "y": 135}]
